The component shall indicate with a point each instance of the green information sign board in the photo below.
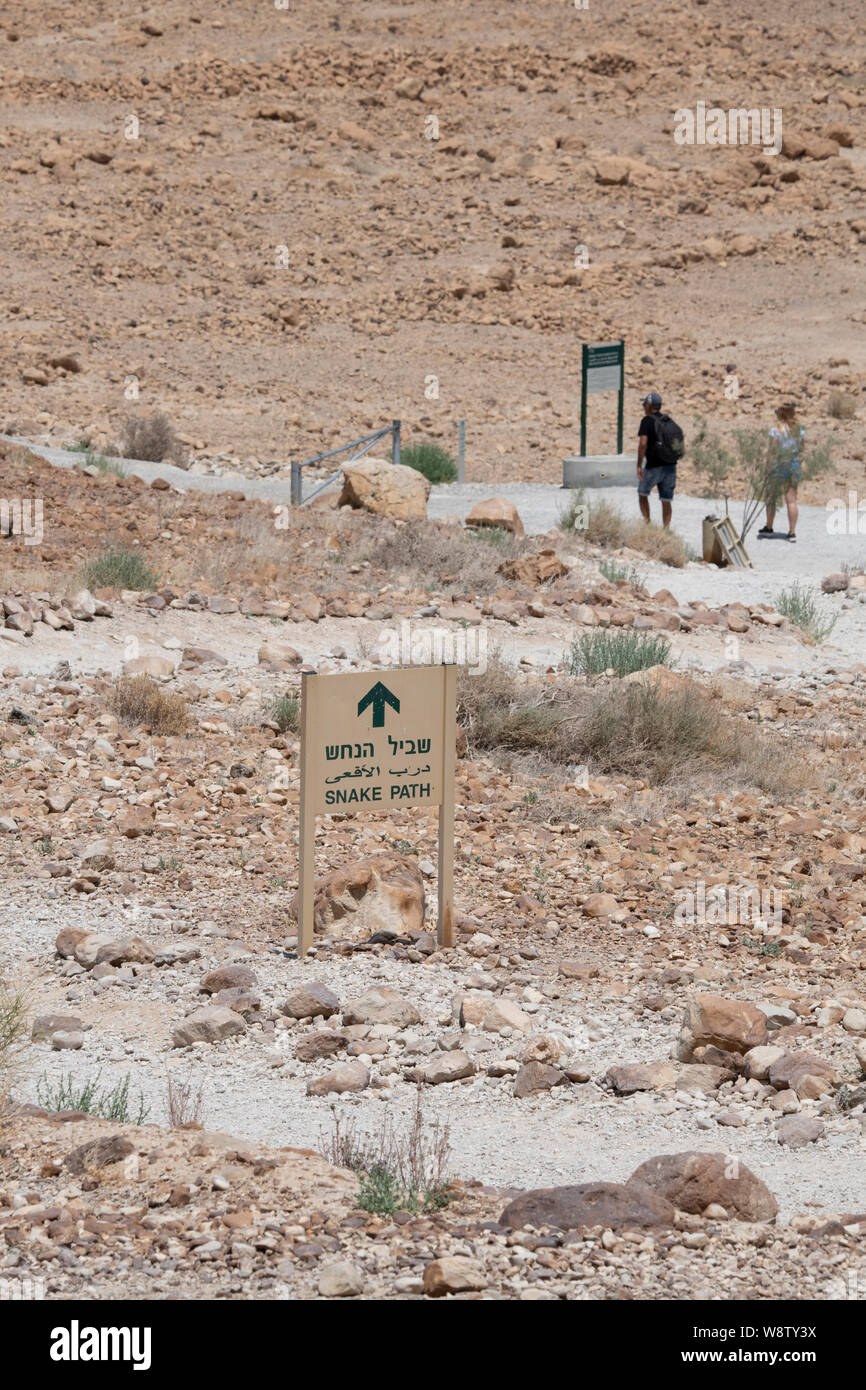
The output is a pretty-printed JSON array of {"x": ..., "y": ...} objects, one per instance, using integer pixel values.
[{"x": 602, "y": 369}]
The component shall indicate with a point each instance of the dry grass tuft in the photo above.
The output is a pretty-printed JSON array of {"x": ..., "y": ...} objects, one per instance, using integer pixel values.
[
  {"x": 138, "y": 700},
  {"x": 637, "y": 731},
  {"x": 13, "y": 1038},
  {"x": 151, "y": 438},
  {"x": 443, "y": 557},
  {"x": 606, "y": 527}
]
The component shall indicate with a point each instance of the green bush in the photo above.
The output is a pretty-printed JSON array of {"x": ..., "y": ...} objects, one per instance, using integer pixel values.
[
  {"x": 615, "y": 573},
  {"x": 119, "y": 569},
  {"x": 285, "y": 712},
  {"x": 434, "y": 462},
  {"x": 108, "y": 1104},
  {"x": 620, "y": 649},
  {"x": 105, "y": 465},
  {"x": 799, "y": 605}
]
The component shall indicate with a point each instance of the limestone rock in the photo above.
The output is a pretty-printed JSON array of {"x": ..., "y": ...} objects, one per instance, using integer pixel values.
[
  {"x": 588, "y": 1204},
  {"x": 47, "y": 1024},
  {"x": 313, "y": 1000},
  {"x": 496, "y": 511},
  {"x": 796, "y": 1131},
  {"x": 536, "y": 1076},
  {"x": 341, "y": 1280},
  {"x": 381, "y": 1004},
  {"x": 693, "y": 1181},
  {"x": 448, "y": 1066},
  {"x": 228, "y": 977},
  {"x": 504, "y": 1013},
  {"x": 453, "y": 1274},
  {"x": 211, "y": 1024},
  {"x": 382, "y": 892},
  {"x": 726, "y": 1023},
  {"x": 348, "y": 1076},
  {"x": 386, "y": 489}
]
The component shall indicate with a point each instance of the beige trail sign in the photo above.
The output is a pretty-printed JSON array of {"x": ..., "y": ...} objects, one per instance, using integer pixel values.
[{"x": 375, "y": 744}]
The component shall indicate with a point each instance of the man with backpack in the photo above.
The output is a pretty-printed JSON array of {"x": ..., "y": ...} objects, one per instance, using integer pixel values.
[{"x": 660, "y": 446}]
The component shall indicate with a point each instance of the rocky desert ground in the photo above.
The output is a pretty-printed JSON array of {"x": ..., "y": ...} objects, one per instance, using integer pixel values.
[{"x": 639, "y": 1072}]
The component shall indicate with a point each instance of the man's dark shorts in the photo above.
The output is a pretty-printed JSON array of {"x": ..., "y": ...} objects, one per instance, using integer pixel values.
[{"x": 664, "y": 478}]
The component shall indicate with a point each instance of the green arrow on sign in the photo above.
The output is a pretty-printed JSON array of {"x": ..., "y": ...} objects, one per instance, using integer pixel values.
[{"x": 378, "y": 696}]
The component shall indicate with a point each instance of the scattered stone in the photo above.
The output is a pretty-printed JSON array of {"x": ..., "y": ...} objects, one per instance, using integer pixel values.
[
  {"x": 313, "y": 1000},
  {"x": 692, "y": 1181},
  {"x": 348, "y": 1076},
  {"x": 610, "y": 1204},
  {"x": 210, "y": 1024}
]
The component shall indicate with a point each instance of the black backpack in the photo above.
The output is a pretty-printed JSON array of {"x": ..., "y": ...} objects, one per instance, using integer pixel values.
[{"x": 669, "y": 444}]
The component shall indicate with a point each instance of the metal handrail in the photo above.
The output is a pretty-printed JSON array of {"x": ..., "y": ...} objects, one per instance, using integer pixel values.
[{"x": 368, "y": 440}]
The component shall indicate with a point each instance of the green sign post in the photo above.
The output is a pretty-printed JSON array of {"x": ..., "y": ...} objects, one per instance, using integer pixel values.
[{"x": 602, "y": 369}]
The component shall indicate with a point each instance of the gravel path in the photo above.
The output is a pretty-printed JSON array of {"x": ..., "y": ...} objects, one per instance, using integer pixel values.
[
  {"x": 255, "y": 1088},
  {"x": 777, "y": 564}
]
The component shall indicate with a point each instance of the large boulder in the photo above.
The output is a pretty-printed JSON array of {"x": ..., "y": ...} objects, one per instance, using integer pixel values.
[
  {"x": 388, "y": 489},
  {"x": 348, "y": 1076},
  {"x": 228, "y": 977},
  {"x": 211, "y": 1024},
  {"x": 804, "y": 1072},
  {"x": 496, "y": 511},
  {"x": 311, "y": 1000},
  {"x": 453, "y": 1274},
  {"x": 694, "y": 1181},
  {"x": 381, "y": 1004},
  {"x": 381, "y": 893},
  {"x": 729, "y": 1024},
  {"x": 610, "y": 1204}
]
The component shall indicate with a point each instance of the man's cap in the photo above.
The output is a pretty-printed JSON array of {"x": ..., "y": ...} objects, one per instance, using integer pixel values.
[{"x": 652, "y": 398}]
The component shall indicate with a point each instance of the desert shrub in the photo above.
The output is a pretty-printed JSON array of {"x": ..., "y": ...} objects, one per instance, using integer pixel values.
[
  {"x": 13, "y": 1037},
  {"x": 659, "y": 544},
  {"x": 801, "y": 607},
  {"x": 499, "y": 536},
  {"x": 110, "y": 1103},
  {"x": 151, "y": 438},
  {"x": 605, "y": 526},
  {"x": 437, "y": 556},
  {"x": 285, "y": 712},
  {"x": 185, "y": 1103},
  {"x": 119, "y": 569},
  {"x": 105, "y": 465},
  {"x": 400, "y": 1170},
  {"x": 428, "y": 458},
  {"x": 620, "y": 649},
  {"x": 641, "y": 731},
  {"x": 841, "y": 405},
  {"x": 138, "y": 700},
  {"x": 615, "y": 573}
]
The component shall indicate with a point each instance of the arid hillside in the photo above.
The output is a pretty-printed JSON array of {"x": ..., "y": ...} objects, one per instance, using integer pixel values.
[{"x": 240, "y": 214}]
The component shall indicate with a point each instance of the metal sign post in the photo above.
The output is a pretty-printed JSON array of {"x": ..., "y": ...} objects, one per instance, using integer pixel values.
[
  {"x": 369, "y": 744},
  {"x": 602, "y": 368}
]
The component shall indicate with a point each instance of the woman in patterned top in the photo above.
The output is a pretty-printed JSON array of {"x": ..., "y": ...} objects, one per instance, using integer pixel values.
[{"x": 786, "y": 442}]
